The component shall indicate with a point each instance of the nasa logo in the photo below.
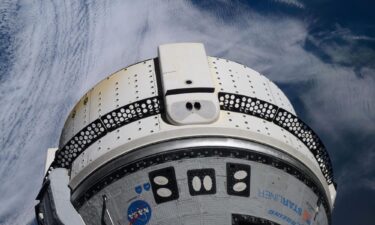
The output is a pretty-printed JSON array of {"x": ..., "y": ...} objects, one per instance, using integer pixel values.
[{"x": 139, "y": 212}]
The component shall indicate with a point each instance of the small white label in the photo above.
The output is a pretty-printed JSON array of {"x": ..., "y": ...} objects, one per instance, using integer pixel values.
[
  {"x": 240, "y": 186},
  {"x": 241, "y": 174},
  {"x": 164, "y": 192},
  {"x": 197, "y": 184},
  {"x": 161, "y": 180},
  {"x": 207, "y": 183}
]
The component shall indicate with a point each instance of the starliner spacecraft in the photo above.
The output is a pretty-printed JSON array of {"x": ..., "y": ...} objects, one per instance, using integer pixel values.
[{"x": 186, "y": 139}]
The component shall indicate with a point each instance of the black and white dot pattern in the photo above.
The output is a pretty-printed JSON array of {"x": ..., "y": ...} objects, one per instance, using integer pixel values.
[
  {"x": 131, "y": 112},
  {"x": 281, "y": 117},
  {"x": 76, "y": 145},
  {"x": 238, "y": 219},
  {"x": 228, "y": 101},
  {"x": 307, "y": 136},
  {"x": 100, "y": 127},
  {"x": 248, "y": 105}
]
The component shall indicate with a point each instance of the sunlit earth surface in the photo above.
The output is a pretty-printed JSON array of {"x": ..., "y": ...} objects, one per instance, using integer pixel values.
[{"x": 320, "y": 53}]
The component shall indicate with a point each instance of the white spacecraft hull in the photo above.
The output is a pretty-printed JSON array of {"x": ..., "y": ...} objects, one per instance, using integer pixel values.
[{"x": 188, "y": 139}]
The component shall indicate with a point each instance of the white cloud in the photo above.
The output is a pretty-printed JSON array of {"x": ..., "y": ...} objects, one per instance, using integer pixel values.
[
  {"x": 65, "y": 48},
  {"x": 294, "y": 3}
]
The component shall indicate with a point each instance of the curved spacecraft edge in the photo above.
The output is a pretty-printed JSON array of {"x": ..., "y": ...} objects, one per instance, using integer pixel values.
[{"x": 186, "y": 138}]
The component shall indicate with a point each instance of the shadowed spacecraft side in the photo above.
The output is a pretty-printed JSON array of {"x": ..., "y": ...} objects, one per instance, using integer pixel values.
[{"x": 186, "y": 138}]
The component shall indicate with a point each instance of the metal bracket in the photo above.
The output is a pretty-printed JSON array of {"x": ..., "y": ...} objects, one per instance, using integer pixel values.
[{"x": 188, "y": 85}]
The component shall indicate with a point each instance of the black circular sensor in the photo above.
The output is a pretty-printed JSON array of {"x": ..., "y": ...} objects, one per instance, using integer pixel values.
[
  {"x": 189, "y": 106},
  {"x": 197, "y": 105}
]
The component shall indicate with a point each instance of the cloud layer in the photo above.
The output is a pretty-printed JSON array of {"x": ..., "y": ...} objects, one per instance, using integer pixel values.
[{"x": 61, "y": 49}]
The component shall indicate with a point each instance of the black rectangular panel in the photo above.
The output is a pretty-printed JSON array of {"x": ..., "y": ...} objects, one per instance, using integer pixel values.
[
  {"x": 201, "y": 181},
  {"x": 238, "y": 179},
  {"x": 164, "y": 185},
  {"x": 238, "y": 219}
]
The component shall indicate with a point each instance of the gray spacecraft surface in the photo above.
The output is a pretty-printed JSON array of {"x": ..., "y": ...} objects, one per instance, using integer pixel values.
[{"x": 186, "y": 138}]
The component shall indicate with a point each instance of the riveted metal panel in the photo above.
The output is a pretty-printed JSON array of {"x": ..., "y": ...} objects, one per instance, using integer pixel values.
[
  {"x": 247, "y": 120},
  {"x": 239, "y": 79},
  {"x": 279, "y": 98},
  {"x": 126, "y": 86},
  {"x": 78, "y": 119},
  {"x": 118, "y": 137}
]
